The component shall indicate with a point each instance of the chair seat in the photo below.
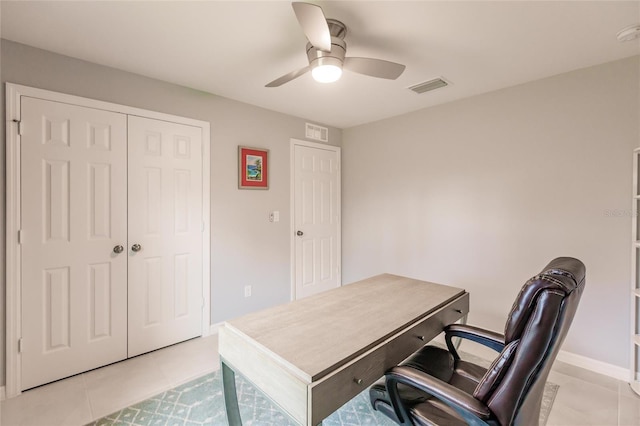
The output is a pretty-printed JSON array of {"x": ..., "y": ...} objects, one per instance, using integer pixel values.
[
  {"x": 427, "y": 414},
  {"x": 437, "y": 362},
  {"x": 467, "y": 375}
]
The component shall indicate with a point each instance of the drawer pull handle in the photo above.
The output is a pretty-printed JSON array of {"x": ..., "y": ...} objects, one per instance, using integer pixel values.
[
  {"x": 358, "y": 381},
  {"x": 459, "y": 311},
  {"x": 421, "y": 338}
]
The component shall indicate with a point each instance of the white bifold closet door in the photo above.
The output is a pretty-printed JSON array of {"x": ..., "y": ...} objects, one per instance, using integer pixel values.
[
  {"x": 92, "y": 181},
  {"x": 74, "y": 212},
  {"x": 165, "y": 220}
]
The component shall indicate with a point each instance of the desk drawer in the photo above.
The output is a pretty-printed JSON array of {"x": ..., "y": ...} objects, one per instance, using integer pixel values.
[{"x": 329, "y": 393}]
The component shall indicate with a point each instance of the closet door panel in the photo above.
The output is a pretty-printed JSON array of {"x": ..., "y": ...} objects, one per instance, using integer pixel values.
[
  {"x": 73, "y": 213},
  {"x": 165, "y": 233}
]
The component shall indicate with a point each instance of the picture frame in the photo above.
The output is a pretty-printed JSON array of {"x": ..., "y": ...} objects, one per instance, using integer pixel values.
[{"x": 253, "y": 168}]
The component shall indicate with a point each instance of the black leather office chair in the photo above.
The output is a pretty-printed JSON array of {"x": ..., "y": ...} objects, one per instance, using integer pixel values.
[{"x": 435, "y": 387}]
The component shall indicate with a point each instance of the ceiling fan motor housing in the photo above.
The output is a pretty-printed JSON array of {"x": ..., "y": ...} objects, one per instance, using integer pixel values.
[{"x": 319, "y": 57}]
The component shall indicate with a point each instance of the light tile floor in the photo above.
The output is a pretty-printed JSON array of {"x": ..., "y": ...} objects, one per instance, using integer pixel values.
[{"x": 584, "y": 398}]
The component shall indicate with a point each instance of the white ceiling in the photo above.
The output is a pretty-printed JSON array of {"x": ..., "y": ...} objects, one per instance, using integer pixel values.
[{"x": 233, "y": 48}]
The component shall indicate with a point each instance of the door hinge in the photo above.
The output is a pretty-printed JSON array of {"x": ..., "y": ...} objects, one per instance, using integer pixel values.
[
  {"x": 19, "y": 123},
  {"x": 20, "y": 345},
  {"x": 202, "y": 226},
  {"x": 202, "y": 302},
  {"x": 19, "y": 236}
]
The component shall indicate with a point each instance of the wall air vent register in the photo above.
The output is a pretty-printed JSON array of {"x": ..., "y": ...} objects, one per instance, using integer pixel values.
[
  {"x": 430, "y": 85},
  {"x": 315, "y": 132}
]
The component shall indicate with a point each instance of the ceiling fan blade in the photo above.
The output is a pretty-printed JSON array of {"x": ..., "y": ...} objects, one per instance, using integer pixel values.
[
  {"x": 314, "y": 24},
  {"x": 287, "y": 77},
  {"x": 374, "y": 67}
]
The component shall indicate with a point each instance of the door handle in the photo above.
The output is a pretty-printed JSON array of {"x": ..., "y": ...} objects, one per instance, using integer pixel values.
[
  {"x": 299, "y": 233},
  {"x": 118, "y": 249},
  {"x": 136, "y": 247}
]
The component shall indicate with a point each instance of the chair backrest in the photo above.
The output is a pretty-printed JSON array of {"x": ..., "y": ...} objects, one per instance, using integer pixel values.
[{"x": 539, "y": 320}]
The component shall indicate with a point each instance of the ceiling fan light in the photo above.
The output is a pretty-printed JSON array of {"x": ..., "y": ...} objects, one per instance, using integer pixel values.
[{"x": 326, "y": 73}]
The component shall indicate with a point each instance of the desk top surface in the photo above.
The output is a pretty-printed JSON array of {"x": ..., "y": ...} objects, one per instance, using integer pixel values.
[{"x": 321, "y": 332}]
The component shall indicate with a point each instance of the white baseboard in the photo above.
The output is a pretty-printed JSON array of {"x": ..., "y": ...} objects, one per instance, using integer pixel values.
[
  {"x": 3, "y": 394},
  {"x": 213, "y": 329},
  {"x": 596, "y": 366}
]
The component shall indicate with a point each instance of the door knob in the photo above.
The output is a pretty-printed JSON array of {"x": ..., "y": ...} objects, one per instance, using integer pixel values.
[
  {"x": 118, "y": 249},
  {"x": 299, "y": 233},
  {"x": 136, "y": 247}
]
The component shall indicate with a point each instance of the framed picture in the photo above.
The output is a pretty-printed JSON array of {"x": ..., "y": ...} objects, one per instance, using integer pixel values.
[{"x": 253, "y": 168}]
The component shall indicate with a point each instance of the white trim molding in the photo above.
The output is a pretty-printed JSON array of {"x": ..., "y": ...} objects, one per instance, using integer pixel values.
[
  {"x": 13, "y": 282},
  {"x": 215, "y": 328},
  {"x": 614, "y": 371},
  {"x": 14, "y": 93}
]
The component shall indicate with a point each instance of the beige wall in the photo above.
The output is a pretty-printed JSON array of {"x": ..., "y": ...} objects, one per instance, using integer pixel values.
[
  {"x": 246, "y": 247},
  {"x": 481, "y": 193}
]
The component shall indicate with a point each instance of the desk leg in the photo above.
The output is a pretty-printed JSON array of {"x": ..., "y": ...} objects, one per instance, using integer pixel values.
[
  {"x": 230, "y": 396},
  {"x": 458, "y": 340}
]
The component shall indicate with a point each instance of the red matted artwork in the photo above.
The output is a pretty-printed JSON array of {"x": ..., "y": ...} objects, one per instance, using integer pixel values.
[{"x": 253, "y": 167}]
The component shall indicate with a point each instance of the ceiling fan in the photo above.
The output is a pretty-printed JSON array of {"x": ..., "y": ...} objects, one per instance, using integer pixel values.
[{"x": 326, "y": 50}]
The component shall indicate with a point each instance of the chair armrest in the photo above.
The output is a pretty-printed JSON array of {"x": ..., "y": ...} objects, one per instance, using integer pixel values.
[
  {"x": 474, "y": 412},
  {"x": 488, "y": 338}
]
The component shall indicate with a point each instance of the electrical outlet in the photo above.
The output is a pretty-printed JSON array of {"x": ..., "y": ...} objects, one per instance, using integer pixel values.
[{"x": 247, "y": 291}]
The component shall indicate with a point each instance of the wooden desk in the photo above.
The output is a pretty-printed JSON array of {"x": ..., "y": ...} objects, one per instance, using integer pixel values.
[{"x": 313, "y": 355}]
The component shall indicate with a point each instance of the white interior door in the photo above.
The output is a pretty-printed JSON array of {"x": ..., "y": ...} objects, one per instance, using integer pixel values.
[
  {"x": 73, "y": 213},
  {"x": 165, "y": 221},
  {"x": 316, "y": 219}
]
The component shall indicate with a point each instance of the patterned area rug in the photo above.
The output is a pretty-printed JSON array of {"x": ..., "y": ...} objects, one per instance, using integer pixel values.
[{"x": 200, "y": 402}]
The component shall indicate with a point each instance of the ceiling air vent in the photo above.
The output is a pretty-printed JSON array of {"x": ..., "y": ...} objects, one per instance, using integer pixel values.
[
  {"x": 427, "y": 86},
  {"x": 319, "y": 133}
]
